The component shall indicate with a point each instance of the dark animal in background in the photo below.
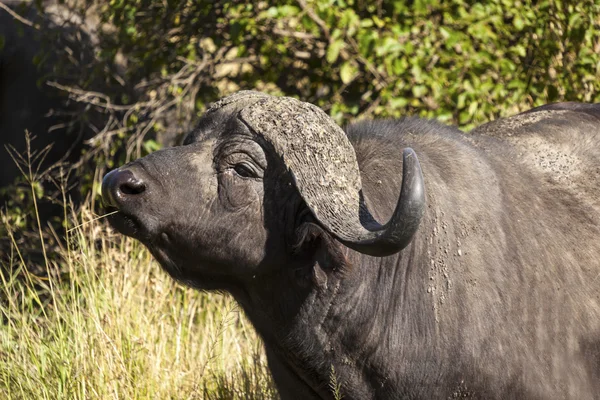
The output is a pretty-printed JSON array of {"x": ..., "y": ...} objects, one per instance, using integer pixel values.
[{"x": 485, "y": 282}]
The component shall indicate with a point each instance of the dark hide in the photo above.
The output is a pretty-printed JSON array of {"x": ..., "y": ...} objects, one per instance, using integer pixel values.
[{"x": 496, "y": 297}]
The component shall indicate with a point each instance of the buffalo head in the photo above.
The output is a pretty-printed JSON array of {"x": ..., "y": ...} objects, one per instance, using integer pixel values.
[{"x": 230, "y": 202}]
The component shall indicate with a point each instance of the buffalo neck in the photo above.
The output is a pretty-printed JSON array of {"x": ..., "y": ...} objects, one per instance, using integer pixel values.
[{"x": 306, "y": 329}]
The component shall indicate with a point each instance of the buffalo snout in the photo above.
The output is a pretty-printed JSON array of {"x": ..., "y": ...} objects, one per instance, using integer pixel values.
[{"x": 127, "y": 191}]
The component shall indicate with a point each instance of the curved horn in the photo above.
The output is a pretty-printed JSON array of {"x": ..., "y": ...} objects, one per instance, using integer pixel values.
[
  {"x": 400, "y": 229},
  {"x": 323, "y": 164}
]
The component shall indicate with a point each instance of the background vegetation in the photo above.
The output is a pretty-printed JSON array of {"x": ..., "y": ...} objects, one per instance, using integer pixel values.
[
  {"x": 89, "y": 315},
  {"x": 104, "y": 322},
  {"x": 464, "y": 62}
]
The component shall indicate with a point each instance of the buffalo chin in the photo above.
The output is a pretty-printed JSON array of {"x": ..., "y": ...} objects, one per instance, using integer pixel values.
[{"x": 166, "y": 263}]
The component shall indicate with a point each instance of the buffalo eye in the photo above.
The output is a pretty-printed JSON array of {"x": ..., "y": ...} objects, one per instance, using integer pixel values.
[{"x": 244, "y": 171}]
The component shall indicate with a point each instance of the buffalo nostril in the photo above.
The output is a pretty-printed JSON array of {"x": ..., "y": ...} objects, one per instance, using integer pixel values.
[
  {"x": 132, "y": 187},
  {"x": 120, "y": 185}
]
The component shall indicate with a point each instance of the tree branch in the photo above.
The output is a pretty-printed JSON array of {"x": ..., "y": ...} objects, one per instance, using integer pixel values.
[{"x": 18, "y": 17}]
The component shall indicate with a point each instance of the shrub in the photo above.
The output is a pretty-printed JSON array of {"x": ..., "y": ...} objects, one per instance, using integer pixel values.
[{"x": 464, "y": 62}]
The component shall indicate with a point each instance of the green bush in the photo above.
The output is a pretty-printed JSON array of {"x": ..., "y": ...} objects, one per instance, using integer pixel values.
[{"x": 464, "y": 62}]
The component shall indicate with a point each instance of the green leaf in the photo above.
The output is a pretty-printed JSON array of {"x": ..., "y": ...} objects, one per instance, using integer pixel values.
[
  {"x": 419, "y": 90},
  {"x": 398, "y": 102},
  {"x": 379, "y": 22},
  {"x": 518, "y": 22},
  {"x": 347, "y": 72},
  {"x": 389, "y": 46},
  {"x": 444, "y": 32},
  {"x": 520, "y": 50},
  {"x": 131, "y": 31},
  {"x": 151, "y": 146},
  {"x": 473, "y": 108},
  {"x": 333, "y": 51},
  {"x": 366, "y": 23}
]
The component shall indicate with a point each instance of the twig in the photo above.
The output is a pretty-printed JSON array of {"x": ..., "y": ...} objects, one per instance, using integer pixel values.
[
  {"x": 381, "y": 77},
  {"x": 18, "y": 17},
  {"x": 93, "y": 98},
  {"x": 294, "y": 34},
  {"x": 310, "y": 12}
]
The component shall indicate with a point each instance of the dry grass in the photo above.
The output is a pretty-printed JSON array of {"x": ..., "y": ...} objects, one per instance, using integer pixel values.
[{"x": 111, "y": 325}]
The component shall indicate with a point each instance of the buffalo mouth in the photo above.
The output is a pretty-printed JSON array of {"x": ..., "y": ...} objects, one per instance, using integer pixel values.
[
  {"x": 133, "y": 222},
  {"x": 158, "y": 244},
  {"x": 123, "y": 222}
]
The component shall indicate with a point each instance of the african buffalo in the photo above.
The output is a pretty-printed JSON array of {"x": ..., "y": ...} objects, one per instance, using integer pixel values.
[{"x": 485, "y": 282}]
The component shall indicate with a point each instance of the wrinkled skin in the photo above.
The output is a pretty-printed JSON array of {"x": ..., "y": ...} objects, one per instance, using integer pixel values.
[{"x": 496, "y": 297}]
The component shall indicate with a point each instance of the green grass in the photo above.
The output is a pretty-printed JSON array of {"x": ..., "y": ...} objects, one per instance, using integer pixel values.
[{"x": 112, "y": 325}]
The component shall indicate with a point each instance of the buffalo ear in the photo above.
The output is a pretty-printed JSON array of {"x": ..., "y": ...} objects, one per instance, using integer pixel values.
[
  {"x": 318, "y": 276},
  {"x": 323, "y": 254}
]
